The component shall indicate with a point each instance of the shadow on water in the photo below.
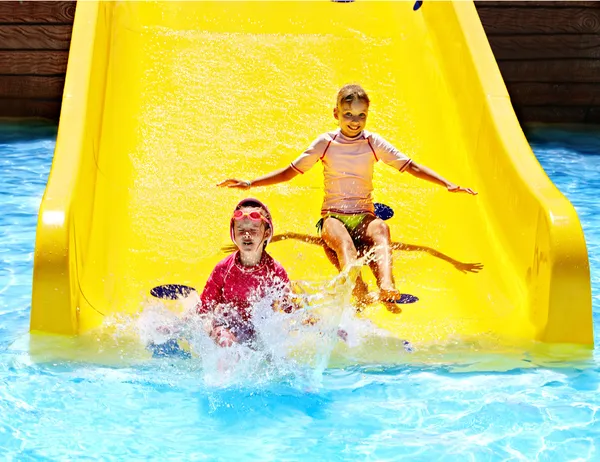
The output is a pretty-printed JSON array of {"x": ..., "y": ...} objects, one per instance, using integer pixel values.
[
  {"x": 372, "y": 355},
  {"x": 26, "y": 130},
  {"x": 584, "y": 139},
  {"x": 246, "y": 406}
]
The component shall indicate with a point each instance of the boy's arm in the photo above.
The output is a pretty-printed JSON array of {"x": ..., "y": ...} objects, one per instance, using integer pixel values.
[
  {"x": 390, "y": 155},
  {"x": 425, "y": 173},
  {"x": 278, "y": 176},
  {"x": 302, "y": 164}
]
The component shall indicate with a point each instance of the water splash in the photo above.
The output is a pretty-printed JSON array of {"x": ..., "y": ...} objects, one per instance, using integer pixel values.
[{"x": 292, "y": 347}]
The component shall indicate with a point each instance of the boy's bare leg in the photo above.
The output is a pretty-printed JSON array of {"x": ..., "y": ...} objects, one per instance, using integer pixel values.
[
  {"x": 332, "y": 257},
  {"x": 379, "y": 234},
  {"x": 336, "y": 236},
  {"x": 361, "y": 289}
]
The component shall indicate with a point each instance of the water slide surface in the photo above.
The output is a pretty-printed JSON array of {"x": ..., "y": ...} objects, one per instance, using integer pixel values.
[{"x": 165, "y": 99}]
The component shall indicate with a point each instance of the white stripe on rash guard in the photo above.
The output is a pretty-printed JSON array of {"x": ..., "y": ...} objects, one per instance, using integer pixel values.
[{"x": 348, "y": 168}]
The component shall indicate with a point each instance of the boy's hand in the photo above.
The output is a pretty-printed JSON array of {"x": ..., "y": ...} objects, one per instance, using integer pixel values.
[
  {"x": 456, "y": 188},
  {"x": 287, "y": 304},
  {"x": 223, "y": 337},
  {"x": 167, "y": 330},
  {"x": 233, "y": 183},
  {"x": 310, "y": 320}
]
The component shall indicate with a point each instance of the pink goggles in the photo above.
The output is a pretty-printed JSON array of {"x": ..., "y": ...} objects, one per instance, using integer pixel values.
[
  {"x": 240, "y": 214},
  {"x": 253, "y": 216}
]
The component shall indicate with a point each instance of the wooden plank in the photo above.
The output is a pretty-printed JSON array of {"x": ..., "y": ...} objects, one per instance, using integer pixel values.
[
  {"x": 569, "y": 70},
  {"x": 48, "y": 109},
  {"x": 540, "y": 20},
  {"x": 573, "y": 114},
  {"x": 593, "y": 115},
  {"x": 12, "y": 12},
  {"x": 545, "y": 46},
  {"x": 31, "y": 86},
  {"x": 549, "y": 114},
  {"x": 555, "y": 94},
  {"x": 26, "y": 37},
  {"x": 33, "y": 62}
]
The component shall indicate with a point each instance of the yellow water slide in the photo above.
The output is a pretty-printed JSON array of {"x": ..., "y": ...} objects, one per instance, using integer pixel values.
[{"x": 165, "y": 99}]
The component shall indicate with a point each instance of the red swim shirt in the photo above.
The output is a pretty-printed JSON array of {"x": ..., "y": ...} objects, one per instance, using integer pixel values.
[{"x": 236, "y": 288}]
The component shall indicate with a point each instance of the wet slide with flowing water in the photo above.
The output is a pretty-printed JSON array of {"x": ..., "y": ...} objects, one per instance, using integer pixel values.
[{"x": 165, "y": 99}]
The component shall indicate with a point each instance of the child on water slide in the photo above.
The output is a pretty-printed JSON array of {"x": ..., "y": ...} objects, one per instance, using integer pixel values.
[
  {"x": 243, "y": 278},
  {"x": 238, "y": 283},
  {"x": 347, "y": 219}
]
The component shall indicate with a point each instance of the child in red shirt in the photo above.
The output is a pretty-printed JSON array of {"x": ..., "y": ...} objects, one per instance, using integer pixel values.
[{"x": 243, "y": 278}]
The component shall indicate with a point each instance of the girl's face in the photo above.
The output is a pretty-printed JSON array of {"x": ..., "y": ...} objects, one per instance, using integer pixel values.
[
  {"x": 352, "y": 117},
  {"x": 250, "y": 235}
]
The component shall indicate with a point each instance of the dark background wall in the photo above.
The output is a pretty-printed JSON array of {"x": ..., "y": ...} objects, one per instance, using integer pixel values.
[
  {"x": 34, "y": 47},
  {"x": 548, "y": 53},
  {"x": 549, "y": 57}
]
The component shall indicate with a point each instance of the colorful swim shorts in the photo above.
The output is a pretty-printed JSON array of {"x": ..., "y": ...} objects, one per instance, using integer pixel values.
[{"x": 355, "y": 224}]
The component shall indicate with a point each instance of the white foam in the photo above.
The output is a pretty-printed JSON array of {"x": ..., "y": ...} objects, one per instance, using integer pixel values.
[{"x": 296, "y": 347}]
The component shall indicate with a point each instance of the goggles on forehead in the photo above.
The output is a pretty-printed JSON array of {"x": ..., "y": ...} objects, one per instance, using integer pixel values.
[{"x": 254, "y": 216}]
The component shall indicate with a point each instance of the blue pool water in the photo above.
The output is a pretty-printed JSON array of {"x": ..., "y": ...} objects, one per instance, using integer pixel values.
[{"x": 164, "y": 411}]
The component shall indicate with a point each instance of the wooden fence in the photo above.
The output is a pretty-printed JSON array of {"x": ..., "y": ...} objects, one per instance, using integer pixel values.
[
  {"x": 34, "y": 48},
  {"x": 549, "y": 57},
  {"x": 548, "y": 53}
]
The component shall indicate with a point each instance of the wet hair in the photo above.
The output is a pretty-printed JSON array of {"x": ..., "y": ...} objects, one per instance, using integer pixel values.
[{"x": 352, "y": 92}]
